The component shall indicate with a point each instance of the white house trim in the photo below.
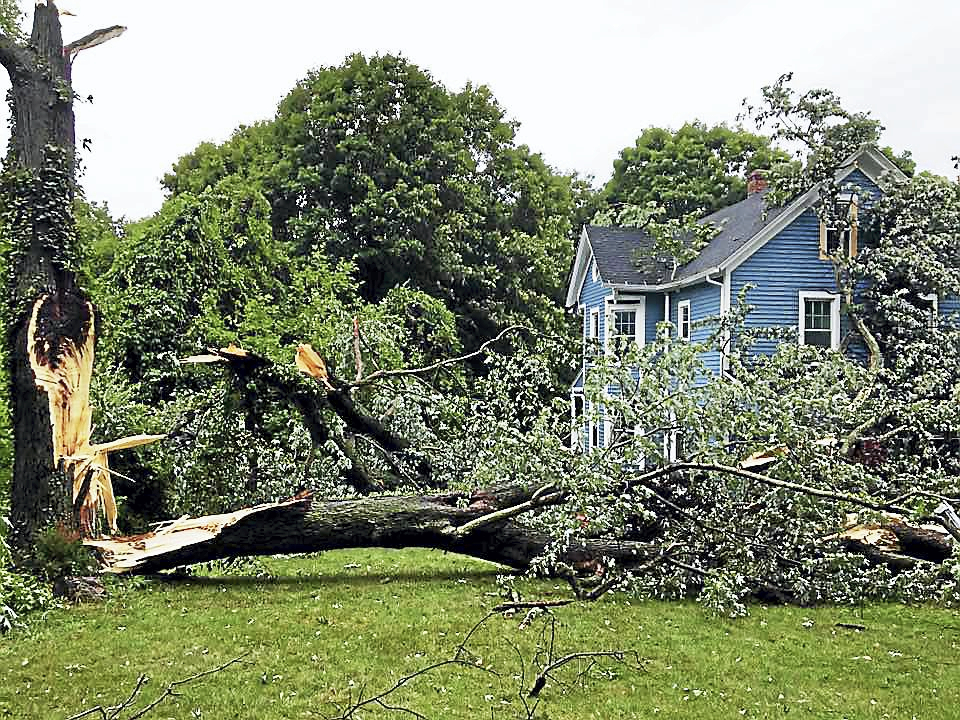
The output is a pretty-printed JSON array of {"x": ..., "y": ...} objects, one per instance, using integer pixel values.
[
  {"x": 640, "y": 307},
  {"x": 834, "y": 299},
  {"x": 581, "y": 266},
  {"x": 681, "y": 306}
]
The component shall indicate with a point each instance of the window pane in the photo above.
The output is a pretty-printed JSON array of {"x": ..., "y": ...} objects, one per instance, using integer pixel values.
[
  {"x": 820, "y": 338},
  {"x": 625, "y": 323},
  {"x": 817, "y": 315},
  {"x": 818, "y": 323}
]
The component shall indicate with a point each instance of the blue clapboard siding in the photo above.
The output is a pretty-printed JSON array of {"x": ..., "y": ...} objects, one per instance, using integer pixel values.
[
  {"x": 785, "y": 265},
  {"x": 593, "y": 295},
  {"x": 864, "y": 185},
  {"x": 654, "y": 316},
  {"x": 704, "y": 305},
  {"x": 949, "y": 305}
]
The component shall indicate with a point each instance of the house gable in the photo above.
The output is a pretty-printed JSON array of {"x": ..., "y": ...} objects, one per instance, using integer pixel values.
[{"x": 790, "y": 263}]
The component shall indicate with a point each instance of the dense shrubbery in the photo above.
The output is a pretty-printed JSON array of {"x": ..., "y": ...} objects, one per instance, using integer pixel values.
[{"x": 20, "y": 592}]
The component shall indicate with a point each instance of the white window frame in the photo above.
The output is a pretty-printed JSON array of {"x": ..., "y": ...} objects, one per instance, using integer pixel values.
[
  {"x": 594, "y": 270},
  {"x": 592, "y": 332},
  {"x": 834, "y": 300},
  {"x": 684, "y": 304},
  {"x": 934, "y": 320},
  {"x": 639, "y": 308}
]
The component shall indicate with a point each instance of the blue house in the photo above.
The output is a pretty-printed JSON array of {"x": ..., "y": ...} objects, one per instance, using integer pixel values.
[{"x": 781, "y": 254}]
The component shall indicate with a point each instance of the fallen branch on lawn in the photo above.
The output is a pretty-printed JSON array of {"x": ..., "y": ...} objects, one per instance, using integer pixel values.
[
  {"x": 544, "y": 658},
  {"x": 113, "y": 712},
  {"x": 307, "y": 524}
]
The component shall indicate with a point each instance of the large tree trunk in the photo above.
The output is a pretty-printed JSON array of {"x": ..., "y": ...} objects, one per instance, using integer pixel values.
[
  {"x": 37, "y": 204},
  {"x": 306, "y": 524}
]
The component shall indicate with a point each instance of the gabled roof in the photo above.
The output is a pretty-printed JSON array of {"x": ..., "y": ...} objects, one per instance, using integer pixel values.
[
  {"x": 625, "y": 256},
  {"x": 737, "y": 224},
  {"x": 744, "y": 228}
]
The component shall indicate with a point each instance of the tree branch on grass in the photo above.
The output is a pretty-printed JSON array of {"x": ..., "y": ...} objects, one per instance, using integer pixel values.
[
  {"x": 544, "y": 658},
  {"x": 113, "y": 712}
]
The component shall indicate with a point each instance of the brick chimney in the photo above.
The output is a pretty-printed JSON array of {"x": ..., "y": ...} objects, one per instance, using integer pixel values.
[{"x": 756, "y": 182}]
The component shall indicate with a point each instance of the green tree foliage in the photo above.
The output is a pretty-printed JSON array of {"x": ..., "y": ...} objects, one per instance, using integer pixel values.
[
  {"x": 694, "y": 170},
  {"x": 11, "y": 15},
  {"x": 823, "y": 131},
  {"x": 376, "y": 163}
]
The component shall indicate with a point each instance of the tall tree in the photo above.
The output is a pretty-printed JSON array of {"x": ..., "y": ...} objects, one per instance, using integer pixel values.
[
  {"x": 376, "y": 162},
  {"x": 693, "y": 170},
  {"x": 50, "y": 323}
]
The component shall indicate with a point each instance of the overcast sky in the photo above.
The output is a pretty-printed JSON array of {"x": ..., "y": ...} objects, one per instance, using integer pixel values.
[{"x": 582, "y": 78}]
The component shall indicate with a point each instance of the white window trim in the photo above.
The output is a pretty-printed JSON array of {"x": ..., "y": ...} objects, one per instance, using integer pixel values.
[
  {"x": 934, "y": 301},
  {"x": 590, "y": 339},
  {"x": 594, "y": 270},
  {"x": 640, "y": 307},
  {"x": 680, "y": 306},
  {"x": 834, "y": 315}
]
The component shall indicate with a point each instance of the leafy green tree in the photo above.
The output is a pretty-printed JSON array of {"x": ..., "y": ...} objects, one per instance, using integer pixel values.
[
  {"x": 824, "y": 132},
  {"x": 376, "y": 163},
  {"x": 694, "y": 170}
]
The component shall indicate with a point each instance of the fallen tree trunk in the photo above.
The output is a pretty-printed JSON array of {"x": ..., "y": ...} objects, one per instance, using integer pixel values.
[
  {"x": 896, "y": 543},
  {"x": 307, "y": 524}
]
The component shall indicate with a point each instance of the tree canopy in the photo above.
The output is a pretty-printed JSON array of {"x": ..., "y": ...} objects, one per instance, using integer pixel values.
[
  {"x": 376, "y": 163},
  {"x": 695, "y": 170}
]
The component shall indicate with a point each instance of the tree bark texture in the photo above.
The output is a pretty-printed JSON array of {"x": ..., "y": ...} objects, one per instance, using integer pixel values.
[
  {"x": 39, "y": 179},
  {"x": 307, "y": 524}
]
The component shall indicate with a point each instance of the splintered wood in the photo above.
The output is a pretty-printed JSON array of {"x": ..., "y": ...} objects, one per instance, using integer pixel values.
[
  {"x": 310, "y": 363},
  {"x": 63, "y": 366},
  {"x": 120, "y": 555}
]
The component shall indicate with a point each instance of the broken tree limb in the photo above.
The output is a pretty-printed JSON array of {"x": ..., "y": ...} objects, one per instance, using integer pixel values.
[
  {"x": 307, "y": 524},
  {"x": 318, "y": 403},
  {"x": 60, "y": 347},
  {"x": 895, "y": 542}
]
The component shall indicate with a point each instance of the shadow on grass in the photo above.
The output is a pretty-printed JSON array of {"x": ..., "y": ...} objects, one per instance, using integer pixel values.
[{"x": 326, "y": 579}]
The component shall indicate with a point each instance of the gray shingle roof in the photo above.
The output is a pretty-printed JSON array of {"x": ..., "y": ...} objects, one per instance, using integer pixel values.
[
  {"x": 738, "y": 223},
  {"x": 625, "y": 255}
]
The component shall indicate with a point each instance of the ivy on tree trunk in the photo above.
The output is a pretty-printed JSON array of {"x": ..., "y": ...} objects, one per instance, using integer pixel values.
[{"x": 36, "y": 198}]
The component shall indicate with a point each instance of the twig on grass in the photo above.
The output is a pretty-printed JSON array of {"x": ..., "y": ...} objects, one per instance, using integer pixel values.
[
  {"x": 544, "y": 661},
  {"x": 112, "y": 712}
]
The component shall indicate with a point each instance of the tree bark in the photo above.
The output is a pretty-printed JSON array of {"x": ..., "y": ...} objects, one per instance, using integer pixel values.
[
  {"x": 39, "y": 185},
  {"x": 307, "y": 524}
]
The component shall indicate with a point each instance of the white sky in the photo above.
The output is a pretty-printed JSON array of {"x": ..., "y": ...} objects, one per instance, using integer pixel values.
[{"x": 583, "y": 78}]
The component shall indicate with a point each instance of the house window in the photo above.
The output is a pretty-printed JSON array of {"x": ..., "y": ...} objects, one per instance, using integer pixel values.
[
  {"x": 594, "y": 271},
  {"x": 842, "y": 240},
  {"x": 592, "y": 426},
  {"x": 576, "y": 418},
  {"x": 624, "y": 326},
  {"x": 593, "y": 332},
  {"x": 931, "y": 303},
  {"x": 683, "y": 320},
  {"x": 820, "y": 319},
  {"x": 625, "y": 323}
]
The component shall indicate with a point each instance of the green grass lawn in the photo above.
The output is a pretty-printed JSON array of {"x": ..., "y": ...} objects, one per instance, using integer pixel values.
[{"x": 324, "y": 627}]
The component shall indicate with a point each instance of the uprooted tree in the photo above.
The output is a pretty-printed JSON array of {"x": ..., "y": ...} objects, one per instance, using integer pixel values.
[{"x": 473, "y": 464}]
